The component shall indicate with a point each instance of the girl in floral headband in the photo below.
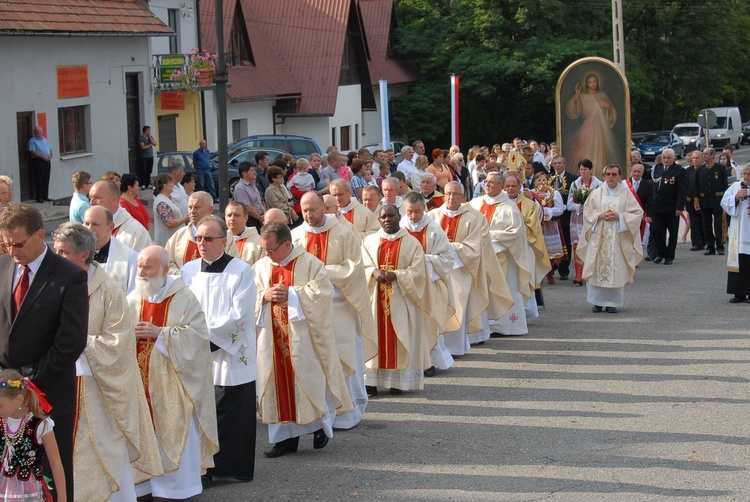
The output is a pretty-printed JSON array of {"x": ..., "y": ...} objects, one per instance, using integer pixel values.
[{"x": 26, "y": 437}]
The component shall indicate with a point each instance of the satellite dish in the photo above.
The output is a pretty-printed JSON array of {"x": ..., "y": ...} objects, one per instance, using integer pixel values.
[{"x": 707, "y": 119}]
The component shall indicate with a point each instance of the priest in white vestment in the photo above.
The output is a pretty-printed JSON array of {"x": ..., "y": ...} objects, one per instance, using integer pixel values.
[
  {"x": 364, "y": 220},
  {"x": 438, "y": 298},
  {"x": 182, "y": 246},
  {"x": 507, "y": 240},
  {"x": 610, "y": 246},
  {"x": 174, "y": 362},
  {"x": 301, "y": 383},
  {"x": 397, "y": 276},
  {"x": 339, "y": 248},
  {"x": 126, "y": 229},
  {"x": 247, "y": 239},
  {"x": 225, "y": 288},
  {"x": 113, "y": 426},
  {"x": 471, "y": 288},
  {"x": 736, "y": 204},
  {"x": 117, "y": 260}
]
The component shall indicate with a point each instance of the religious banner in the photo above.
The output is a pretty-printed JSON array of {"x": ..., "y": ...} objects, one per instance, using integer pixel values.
[{"x": 593, "y": 115}]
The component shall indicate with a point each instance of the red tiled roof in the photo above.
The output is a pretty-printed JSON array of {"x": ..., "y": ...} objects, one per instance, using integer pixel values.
[
  {"x": 19, "y": 17},
  {"x": 377, "y": 16},
  {"x": 269, "y": 78}
]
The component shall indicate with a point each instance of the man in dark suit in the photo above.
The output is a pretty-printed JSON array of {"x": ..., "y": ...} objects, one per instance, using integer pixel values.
[
  {"x": 671, "y": 192},
  {"x": 561, "y": 180},
  {"x": 643, "y": 190},
  {"x": 43, "y": 319},
  {"x": 712, "y": 183},
  {"x": 692, "y": 203}
]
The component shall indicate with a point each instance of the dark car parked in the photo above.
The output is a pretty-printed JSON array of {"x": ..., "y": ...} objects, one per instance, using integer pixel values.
[
  {"x": 299, "y": 146},
  {"x": 653, "y": 143}
]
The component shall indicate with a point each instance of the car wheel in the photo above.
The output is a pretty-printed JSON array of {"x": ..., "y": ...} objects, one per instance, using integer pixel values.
[{"x": 233, "y": 183}]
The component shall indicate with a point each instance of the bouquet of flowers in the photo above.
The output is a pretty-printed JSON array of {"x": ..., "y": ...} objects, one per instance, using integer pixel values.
[{"x": 580, "y": 194}]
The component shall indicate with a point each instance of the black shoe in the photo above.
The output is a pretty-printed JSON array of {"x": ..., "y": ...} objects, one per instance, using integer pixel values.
[
  {"x": 563, "y": 277},
  {"x": 282, "y": 448},
  {"x": 396, "y": 392},
  {"x": 40, "y": 200},
  {"x": 496, "y": 335},
  {"x": 657, "y": 260},
  {"x": 611, "y": 310},
  {"x": 372, "y": 390},
  {"x": 668, "y": 262},
  {"x": 47, "y": 199},
  {"x": 206, "y": 481},
  {"x": 737, "y": 299},
  {"x": 649, "y": 258},
  {"x": 711, "y": 251},
  {"x": 320, "y": 440},
  {"x": 430, "y": 372},
  {"x": 596, "y": 308},
  {"x": 696, "y": 248},
  {"x": 720, "y": 251}
]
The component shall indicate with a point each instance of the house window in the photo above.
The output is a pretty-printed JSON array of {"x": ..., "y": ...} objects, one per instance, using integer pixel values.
[
  {"x": 173, "y": 18},
  {"x": 72, "y": 124},
  {"x": 239, "y": 48},
  {"x": 356, "y": 136},
  {"x": 239, "y": 129},
  {"x": 345, "y": 139}
]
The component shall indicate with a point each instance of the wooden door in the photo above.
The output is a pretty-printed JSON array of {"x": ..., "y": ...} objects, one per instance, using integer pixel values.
[
  {"x": 24, "y": 128},
  {"x": 133, "y": 109},
  {"x": 168, "y": 133}
]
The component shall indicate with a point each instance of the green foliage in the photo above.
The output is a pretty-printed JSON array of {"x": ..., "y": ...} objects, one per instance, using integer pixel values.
[{"x": 680, "y": 56}]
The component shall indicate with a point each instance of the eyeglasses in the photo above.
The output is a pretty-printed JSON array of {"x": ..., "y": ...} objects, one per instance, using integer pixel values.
[
  {"x": 201, "y": 238},
  {"x": 272, "y": 251},
  {"x": 17, "y": 245}
]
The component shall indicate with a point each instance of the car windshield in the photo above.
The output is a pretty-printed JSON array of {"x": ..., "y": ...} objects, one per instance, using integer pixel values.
[
  {"x": 656, "y": 138},
  {"x": 687, "y": 131}
]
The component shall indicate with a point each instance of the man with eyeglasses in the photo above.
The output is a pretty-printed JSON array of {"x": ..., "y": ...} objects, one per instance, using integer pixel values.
[
  {"x": 225, "y": 288},
  {"x": 301, "y": 382},
  {"x": 610, "y": 245},
  {"x": 671, "y": 192},
  {"x": 338, "y": 245},
  {"x": 182, "y": 246},
  {"x": 43, "y": 329}
]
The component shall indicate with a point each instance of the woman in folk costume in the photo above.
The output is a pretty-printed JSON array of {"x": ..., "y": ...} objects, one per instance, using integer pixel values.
[
  {"x": 553, "y": 207},
  {"x": 584, "y": 184}
]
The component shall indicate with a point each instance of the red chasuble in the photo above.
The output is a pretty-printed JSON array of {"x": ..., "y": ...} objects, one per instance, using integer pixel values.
[
  {"x": 191, "y": 251},
  {"x": 317, "y": 245},
  {"x": 421, "y": 236},
  {"x": 435, "y": 201},
  {"x": 488, "y": 210},
  {"x": 156, "y": 314},
  {"x": 387, "y": 339},
  {"x": 349, "y": 216},
  {"x": 450, "y": 226},
  {"x": 240, "y": 244},
  {"x": 115, "y": 230},
  {"x": 283, "y": 368}
]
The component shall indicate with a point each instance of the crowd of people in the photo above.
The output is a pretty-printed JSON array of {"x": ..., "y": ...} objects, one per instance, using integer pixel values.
[{"x": 158, "y": 337}]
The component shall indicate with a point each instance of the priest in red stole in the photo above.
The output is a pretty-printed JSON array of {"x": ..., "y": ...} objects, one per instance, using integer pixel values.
[
  {"x": 438, "y": 298},
  {"x": 507, "y": 240},
  {"x": 397, "y": 276},
  {"x": 182, "y": 246},
  {"x": 113, "y": 426},
  {"x": 364, "y": 220},
  {"x": 301, "y": 383},
  {"x": 225, "y": 288},
  {"x": 471, "y": 288},
  {"x": 247, "y": 239},
  {"x": 175, "y": 364},
  {"x": 339, "y": 248}
]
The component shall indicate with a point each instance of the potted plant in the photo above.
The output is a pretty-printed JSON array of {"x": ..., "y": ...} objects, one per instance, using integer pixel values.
[{"x": 199, "y": 71}]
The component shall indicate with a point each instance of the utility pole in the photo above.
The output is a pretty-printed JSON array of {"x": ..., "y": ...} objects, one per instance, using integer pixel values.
[
  {"x": 221, "y": 80},
  {"x": 618, "y": 40}
]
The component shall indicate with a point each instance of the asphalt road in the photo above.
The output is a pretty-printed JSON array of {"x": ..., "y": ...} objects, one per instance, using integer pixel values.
[{"x": 648, "y": 404}]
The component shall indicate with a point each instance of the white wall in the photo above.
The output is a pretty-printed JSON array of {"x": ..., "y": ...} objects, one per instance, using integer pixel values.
[
  {"x": 30, "y": 84},
  {"x": 187, "y": 25},
  {"x": 259, "y": 115}
]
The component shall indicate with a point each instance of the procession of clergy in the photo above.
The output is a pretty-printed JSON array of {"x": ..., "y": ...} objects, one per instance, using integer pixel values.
[{"x": 185, "y": 341}]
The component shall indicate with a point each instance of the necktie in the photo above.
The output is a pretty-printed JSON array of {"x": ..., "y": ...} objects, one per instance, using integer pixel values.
[{"x": 21, "y": 289}]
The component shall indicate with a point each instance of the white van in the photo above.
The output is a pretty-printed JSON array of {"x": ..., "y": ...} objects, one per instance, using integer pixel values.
[
  {"x": 728, "y": 128},
  {"x": 691, "y": 136}
]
